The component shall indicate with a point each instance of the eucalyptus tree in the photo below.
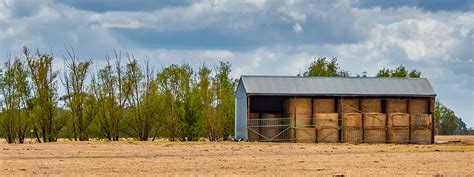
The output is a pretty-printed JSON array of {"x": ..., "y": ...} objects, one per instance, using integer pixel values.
[
  {"x": 14, "y": 89},
  {"x": 75, "y": 74},
  {"x": 142, "y": 100},
  {"x": 224, "y": 88},
  {"x": 111, "y": 91},
  {"x": 45, "y": 124},
  {"x": 211, "y": 124}
]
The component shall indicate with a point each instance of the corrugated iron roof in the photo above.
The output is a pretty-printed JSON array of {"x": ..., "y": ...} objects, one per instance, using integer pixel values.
[{"x": 344, "y": 86}]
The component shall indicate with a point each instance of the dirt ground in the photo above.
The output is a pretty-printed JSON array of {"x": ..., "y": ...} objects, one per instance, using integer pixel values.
[{"x": 97, "y": 158}]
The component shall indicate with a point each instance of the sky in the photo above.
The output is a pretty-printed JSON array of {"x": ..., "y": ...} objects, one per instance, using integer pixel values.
[{"x": 262, "y": 37}]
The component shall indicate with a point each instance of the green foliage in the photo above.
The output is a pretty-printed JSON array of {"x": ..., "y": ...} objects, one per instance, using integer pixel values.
[
  {"x": 322, "y": 67},
  {"x": 74, "y": 80},
  {"x": 400, "y": 71},
  {"x": 46, "y": 126},
  {"x": 15, "y": 91},
  {"x": 446, "y": 121},
  {"x": 224, "y": 88}
]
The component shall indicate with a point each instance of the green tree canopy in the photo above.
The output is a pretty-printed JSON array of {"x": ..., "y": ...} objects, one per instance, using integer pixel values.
[
  {"x": 323, "y": 66},
  {"x": 399, "y": 71}
]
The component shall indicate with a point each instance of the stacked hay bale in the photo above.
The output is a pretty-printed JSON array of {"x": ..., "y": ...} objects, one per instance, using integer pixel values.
[
  {"x": 299, "y": 111},
  {"x": 374, "y": 121},
  {"x": 420, "y": 121},
  {"x": 351, "y": 120},
  {"x": 326, "y": 120},
  {"x": 398, "y": 121},
  {"x": 270, "y": 126},
  {"x": 254, "y": 129},
  {"x": 374, "y": 127}
]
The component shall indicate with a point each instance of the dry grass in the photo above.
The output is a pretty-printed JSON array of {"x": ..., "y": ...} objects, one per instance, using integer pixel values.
[
  {"x": 231, "y": 158},
  {"x": 462, "y": 139}
]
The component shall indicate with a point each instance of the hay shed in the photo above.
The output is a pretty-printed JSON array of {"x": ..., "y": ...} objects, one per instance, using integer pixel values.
[{"x": 292, "y": 104}]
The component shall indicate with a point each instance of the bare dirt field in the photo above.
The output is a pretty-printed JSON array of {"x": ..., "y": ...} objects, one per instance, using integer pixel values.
[{"x": 98, "y": 158}]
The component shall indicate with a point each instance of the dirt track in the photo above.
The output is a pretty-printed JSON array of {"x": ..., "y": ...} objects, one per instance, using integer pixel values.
[{"x": 233, "y": 158}]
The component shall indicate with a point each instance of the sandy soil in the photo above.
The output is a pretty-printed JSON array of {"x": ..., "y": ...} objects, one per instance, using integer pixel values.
[{"x": 233, "y": 158}]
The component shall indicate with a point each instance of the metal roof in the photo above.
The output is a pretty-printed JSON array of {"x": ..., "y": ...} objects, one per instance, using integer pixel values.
[{"x": 337, "y": 86}]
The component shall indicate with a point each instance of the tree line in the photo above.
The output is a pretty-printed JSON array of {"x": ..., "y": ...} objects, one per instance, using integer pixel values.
[
  {"x": 446, "y": 121},
  {"x": 128, "y": 99},
  {"x": 123, "y": 99}
]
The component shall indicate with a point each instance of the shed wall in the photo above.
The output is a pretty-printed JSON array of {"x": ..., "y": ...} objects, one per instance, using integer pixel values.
[{"x": 241, "y": 112}]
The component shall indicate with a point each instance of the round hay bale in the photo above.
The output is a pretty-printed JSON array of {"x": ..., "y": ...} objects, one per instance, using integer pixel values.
[
  {"x": 420, "y": 120},
  {"x": 352, "y": 120},
  {"x": 349, "y": 105},
  {"x": 371, "y": 105},
  {"x": 270, "y": 128},
  {"x": 398, "y": 135},
  {"x": 375, "y": 135},
  {"x": 324, "y": 105},
  {"x": 253, "y": 121},
  {"x": 396, "y": 105},
  {"x": 352, "y": 135},
  {"x": 398, "y": 120},
  {"x": 326, "y": 120},
  {"x": 374, "y": 120},
  {"x": 300, "y": 105},
  {"x": 418, "y": 106},
  {"x": 328, "y": 135},
  {"x": 420, "y": 136},
  {"x": 305, "y": 135}
]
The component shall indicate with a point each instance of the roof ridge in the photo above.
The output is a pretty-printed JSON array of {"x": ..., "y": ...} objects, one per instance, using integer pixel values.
[{"x": 373, "y": 77}]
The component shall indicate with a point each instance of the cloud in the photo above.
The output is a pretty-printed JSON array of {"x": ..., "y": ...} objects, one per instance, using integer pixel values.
[
  {"x": 259, "y": 37},
  {"x": 431, "y": 5},
  {"x": 297, "y": 28}
]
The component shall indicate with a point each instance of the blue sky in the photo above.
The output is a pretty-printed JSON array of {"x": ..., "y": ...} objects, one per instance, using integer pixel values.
[{"x": 260, "y": 36}]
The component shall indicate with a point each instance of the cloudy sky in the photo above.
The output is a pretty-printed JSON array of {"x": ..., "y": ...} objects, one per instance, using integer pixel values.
[{"x": 266, "y": 37}]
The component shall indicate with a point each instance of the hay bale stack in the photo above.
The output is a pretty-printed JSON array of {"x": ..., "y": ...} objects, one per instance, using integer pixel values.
[
  {"x": 420, "y": 121},
  {"x": 398, "y": 120},
  {"x": 352, "y": 135},
  {"x": 352, "y": 127},
  {"x": 269, "y": 128},
  {"x": 398, "y": 128},
  {"x": 374, "y": 128},
  {"x": 254, "y": 121},
  {"x": 396, "y": 106},
  {"x": 352, "y": 120},
  {"x": 374, "y": 120},
  {"x": 420, "y": 136},
  {"x": 300, "y": 112},
  {"x": 324, "y": 105},
  {"x": 371, "y": 105},
  {"x": 327, "y": 126},
  {"x": 418, "y": 106},
  {"x": 348, "y": 105},
  {"x": 420, "y": 128},
  {"x": 398, "y": 135},
  {"x": 305, "y": 135}
]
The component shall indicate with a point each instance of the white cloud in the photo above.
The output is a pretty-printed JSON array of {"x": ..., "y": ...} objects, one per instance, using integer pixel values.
[
  {"x": 297, "y": 28},
  {"x": 439, "y": 44}
]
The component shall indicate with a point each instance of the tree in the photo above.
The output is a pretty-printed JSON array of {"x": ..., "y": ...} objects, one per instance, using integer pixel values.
[
  {"x": 400, "y": 71},
  {"x": 322, "y": 67},
  {"x": 142, "y": 100},
  {"x": 74, "y": 80},
  {"x": 224, "y": 89},
  {"x": 112, "y": 91},
  {"x": 44, "y": 100},
  {"x": 206, "y": 94},
  {"x": 14, "y": 88}
]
